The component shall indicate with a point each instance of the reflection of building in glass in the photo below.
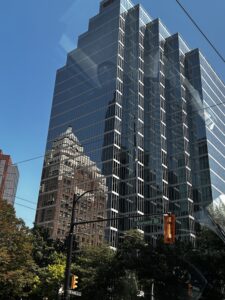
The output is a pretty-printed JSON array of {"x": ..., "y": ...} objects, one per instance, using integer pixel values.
[
  {"x": 137, "y": 97},
  {"x": 207, "y": 127},
  {"x": 9, "y": 176},
  {"x": 67, "y": 170}
]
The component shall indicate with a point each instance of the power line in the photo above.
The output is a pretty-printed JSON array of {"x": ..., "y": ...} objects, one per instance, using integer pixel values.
[
  {"x": 20, "y": 198},
  {"x": 28, "y": 160},
  {"x": 200, "y": 30},
  {"x": 16, "y": 203}
]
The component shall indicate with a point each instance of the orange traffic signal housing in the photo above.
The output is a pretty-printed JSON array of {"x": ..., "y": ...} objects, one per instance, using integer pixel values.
[
  {"x": 169, "y": 228},
  {"x": 74, "y": 282}
]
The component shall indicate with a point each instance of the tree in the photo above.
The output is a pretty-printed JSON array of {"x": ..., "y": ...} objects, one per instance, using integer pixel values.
[
  {"x": 209, "y": 257},
  {"x": 16, "y": 263},
  {"x": 49, "y": 256},
  {"x": 50, "y": 279},
  {"x": 45, "y": 249},
  {"x": 93, "y": 267}
]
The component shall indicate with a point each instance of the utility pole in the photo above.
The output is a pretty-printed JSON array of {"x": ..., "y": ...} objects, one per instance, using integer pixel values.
[
  {"x": 70, "y": 239},
  {"x": 152, "y": 289},
  {"x": 69, "y": 251}
]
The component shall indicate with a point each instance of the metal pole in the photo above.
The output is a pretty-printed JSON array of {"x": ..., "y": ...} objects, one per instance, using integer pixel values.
[
  {"x": 70, "y": 245},
  {"x": 69, "y": 251},
  {"x": 152, "y": 290}
]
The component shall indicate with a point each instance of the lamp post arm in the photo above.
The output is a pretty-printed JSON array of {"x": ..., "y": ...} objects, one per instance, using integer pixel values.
[
  {"x": 80, "y": 196},
  {"x": 99, "y": 220}
]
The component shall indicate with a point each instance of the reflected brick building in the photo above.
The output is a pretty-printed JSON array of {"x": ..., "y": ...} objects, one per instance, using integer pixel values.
[
  {"x": 9, "y": 177},
  {"x": 67, "y": 170}
]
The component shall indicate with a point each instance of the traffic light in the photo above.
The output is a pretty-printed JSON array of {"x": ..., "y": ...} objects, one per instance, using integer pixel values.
[
  {"x": 169, "y": 228},
  {"x": 74, "y": 282}
]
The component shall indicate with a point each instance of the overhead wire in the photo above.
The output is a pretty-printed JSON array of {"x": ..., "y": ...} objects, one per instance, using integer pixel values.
[
  {"x": 28, "y": 160},
  {"x": 200, "y": 30},
  {"x": 19, "y": 198},
  {"x": 26, "y": 200},
  {"x": 28, "y": 207}
]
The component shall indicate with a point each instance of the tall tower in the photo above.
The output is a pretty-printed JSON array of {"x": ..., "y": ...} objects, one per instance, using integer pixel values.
[
  {"x": 139, "y": 101},
  {"x": 9, "y": 177}
]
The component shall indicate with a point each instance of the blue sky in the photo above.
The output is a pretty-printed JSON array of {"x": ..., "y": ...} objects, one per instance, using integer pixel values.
[{"x": 35, "y": 36}]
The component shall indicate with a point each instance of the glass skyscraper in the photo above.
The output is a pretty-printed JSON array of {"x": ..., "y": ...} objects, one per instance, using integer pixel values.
[{"x": 148, "y": 111}]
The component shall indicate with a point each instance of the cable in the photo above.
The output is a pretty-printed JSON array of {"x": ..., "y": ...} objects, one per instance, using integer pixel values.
[
  {"x": 27, "y": 160},
  {"x": 20, "y": 198},
  {"x": 24, "y": 206},
  {"x": 204, "y": 35}
]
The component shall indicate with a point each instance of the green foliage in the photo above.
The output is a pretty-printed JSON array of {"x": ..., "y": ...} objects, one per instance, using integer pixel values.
[
  {"x": 49, "y": 256},
  {"x": 44, "y": 248},
  {"x": 50, "y": 279},
  {"x": 16, "y": 262},
  {"x": 33, "y": 266},
  {"x": 209, "y": 257},
  {"x": 93, "y": 267},
  {"x": 139, "y": 266}
]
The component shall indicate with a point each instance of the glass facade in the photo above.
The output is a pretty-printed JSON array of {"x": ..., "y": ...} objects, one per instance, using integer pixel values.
[
  {"x": 206, "y": 97},
  {"x": 136, "y": 98}
]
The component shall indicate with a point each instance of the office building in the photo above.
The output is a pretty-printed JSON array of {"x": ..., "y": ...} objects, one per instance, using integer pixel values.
[
  {"x": 149, "y": 112},
  {"x": 9, "y": 176}
]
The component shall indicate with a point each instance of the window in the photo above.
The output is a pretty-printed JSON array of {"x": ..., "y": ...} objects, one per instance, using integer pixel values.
[
  {"x": 141, "y": 64},
  {"x": 141, "y": 100},
  {"x": 141, "y": 53},
  {"x": 202, "y": 149},
  {"x": 141, "y": 76},
  {"x": 121, "y": 49},
  {"x": 120, "y": 62},
  {"x": 141, "y": 89},
  {"x": 119, "y": 98},
  {"x": 119, "y": 86},
  {"x": 141, "y": 39},
  {"x": 122, "y": 24},
  {"x": 205, "y": 179},
  {"x": 121, "y": 36},
  {"x": 164, "y": 158},
  {"x": 206, "y": 194},
  {"x": 120, "y": 73},
  {"x": 204, "y": 163}
]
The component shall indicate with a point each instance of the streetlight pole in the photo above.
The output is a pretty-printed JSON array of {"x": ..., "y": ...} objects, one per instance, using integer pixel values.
[{"x": 70, "y": 245}]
